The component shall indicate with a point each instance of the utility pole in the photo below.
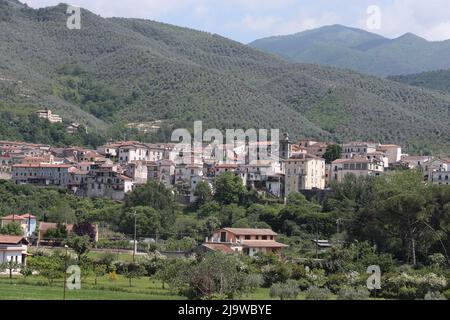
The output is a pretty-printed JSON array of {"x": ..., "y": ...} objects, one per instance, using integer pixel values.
[
  {"x": 65, "y": 275},
  {"x": 317, "y": 243},
  {"x": 135, "y": 245}
]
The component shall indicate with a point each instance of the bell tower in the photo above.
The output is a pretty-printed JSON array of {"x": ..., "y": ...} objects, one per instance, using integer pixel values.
[{"x": 285, "y": 147}]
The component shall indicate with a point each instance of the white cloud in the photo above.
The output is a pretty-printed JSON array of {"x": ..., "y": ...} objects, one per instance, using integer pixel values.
[
  {"x": 277, "y": 25},
  {"x": 428, "y": 19}
]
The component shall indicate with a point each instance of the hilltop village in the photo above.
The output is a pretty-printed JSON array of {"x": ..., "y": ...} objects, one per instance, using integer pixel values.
[{"x": 114, "y": 169}]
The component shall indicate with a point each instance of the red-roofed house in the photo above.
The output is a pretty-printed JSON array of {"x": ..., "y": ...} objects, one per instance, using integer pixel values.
[
  {"x": 13, "y": 248},
  {"x": 244, "y": 240},
  {"x": 26, "y": 221},
  {"x": 45, "y": 226}
]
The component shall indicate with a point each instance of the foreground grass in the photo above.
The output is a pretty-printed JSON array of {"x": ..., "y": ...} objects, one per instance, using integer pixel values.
[{"x": 37, "y": 288}]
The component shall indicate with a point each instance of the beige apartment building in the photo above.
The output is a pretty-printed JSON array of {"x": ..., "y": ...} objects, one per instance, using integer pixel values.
[{"x": 305, "y": 172}]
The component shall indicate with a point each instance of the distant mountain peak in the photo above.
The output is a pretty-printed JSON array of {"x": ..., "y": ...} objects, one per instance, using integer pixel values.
[
  {"x": 360, "y": 50},
  {"x": 410, "y": 36}
]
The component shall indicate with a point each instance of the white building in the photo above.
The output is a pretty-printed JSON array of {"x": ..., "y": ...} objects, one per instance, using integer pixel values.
[
  {"x": 137, "y": 170},
  {"x": 106, "y": 181},
  {"x": 157, "y": 152},
  {"x": 440, "y": 177},
  {"x": 435, "y": 165},
  {"x": 392, "y": 151},
  {"x": 354, "y": 149},
  {"x": 13, "y": 248},
  {"x": 47, "y": 114},
  {"x": 162, "y": 171},
  {"x": 360, "y": 166},
  {"x": 130, "y": 152},
  {"x": 42, "y": 174},
  {"x": 307, "y": 172},
  {"x": 260, "y": 170},
  {"x": 190, "y": 175},
  {"x": 413, "y": 162}
]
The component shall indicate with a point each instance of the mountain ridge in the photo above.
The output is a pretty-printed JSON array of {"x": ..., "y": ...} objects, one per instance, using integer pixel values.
[{"x": 373, "y": 54}]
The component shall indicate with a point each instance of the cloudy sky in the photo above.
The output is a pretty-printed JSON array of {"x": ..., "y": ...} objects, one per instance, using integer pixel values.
[{"x": 247, "y": 20}]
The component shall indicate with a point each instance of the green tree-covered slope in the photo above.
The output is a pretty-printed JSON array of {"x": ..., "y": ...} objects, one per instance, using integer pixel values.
[{"x": 435, "y": 80}]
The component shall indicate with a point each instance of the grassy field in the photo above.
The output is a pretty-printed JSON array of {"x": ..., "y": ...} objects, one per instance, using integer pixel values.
[{"x": 36, "y": 288}]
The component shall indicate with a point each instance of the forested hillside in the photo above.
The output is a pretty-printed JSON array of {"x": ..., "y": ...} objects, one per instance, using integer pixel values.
[
  {"x": 115, "y": 71},
  {"x": 436, "y": 80}
]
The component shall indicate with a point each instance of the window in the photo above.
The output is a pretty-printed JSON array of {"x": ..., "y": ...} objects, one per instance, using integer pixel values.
[
  {"x": 247, "y": 237},
  {"x": 264, "y": 237}
]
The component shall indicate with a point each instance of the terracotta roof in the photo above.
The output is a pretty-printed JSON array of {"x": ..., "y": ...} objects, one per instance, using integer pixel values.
[
  {"x": 12, "y": 240},
  {"x": 28, "y": 215},
  {"x": 302, "y": 157},
  {"x": 44, "y": 226},
  {"x": 194, "y": 166},
  {"x": 413, "y": 158},
  {"x": 125, "y": 178},
  {"x": 42, "y": 165},
  {"x": 360, "y": 143},
  {"x": 388, "y": 145},
  {"x": 249, "y": 232},
  {"x": 263, "y": 244},
  {"x": 165, "y": 162},
  {"x": 260, "y": 163},
  {"x": 13, "y": 217},
  {"x": 218, "y": 247},
  {"x": 220, "y": 166},
  {"x": 354, "y": 160}
]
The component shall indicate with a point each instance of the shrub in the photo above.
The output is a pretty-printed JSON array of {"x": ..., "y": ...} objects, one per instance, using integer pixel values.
[
  {"x": 350, "y": 293},
  {"x": 315, "y": 293},
  {"x": 437, "y": 260},
  {"x": 336, "y": 281},
  {"x": 316, "y": 277},
  {"x": 447, "y": 294},
  {"x": 405, "y": 286},
  {"x": 407, "y": 293},
  {"x": 254, "y": 281},
  {"x": 435, "y": 296},
  {"x": 285, "y": 291},
  {"x": 274, "y": 274},
  {"x": 107, "y": 259}
]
